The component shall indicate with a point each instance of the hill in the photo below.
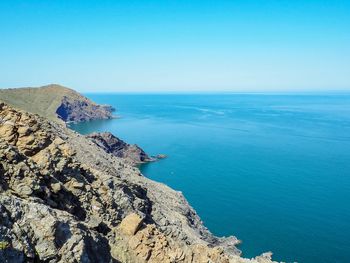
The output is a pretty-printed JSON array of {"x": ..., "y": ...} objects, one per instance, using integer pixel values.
[{"x": 56, "y": 103}]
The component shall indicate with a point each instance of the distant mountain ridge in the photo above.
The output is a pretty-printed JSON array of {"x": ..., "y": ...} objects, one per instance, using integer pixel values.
[{"x": 56, "y": 102}]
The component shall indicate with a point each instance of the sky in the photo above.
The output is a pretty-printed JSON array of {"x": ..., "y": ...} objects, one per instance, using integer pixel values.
[{"x": 176, "y": 45}]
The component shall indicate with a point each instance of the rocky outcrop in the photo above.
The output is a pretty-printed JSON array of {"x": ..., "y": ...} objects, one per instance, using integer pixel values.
[
  {"x": 147, "y": 243},
  {"x": 56, "y": 103},
  {"x": 64, "y": 199},
  {"x": 82, "y": 109},
  {"x": 117, "y": 147},
  {"x": 131, "y": 224}
]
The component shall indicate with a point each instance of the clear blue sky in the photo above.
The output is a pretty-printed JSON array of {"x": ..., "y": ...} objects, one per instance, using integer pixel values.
[{"x": 175, "y": 45}]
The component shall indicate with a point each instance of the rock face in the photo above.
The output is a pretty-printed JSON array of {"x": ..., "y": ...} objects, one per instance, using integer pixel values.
[
  {"x": 113, "y": 145},
  {"x": 82, "y": 109},
  {"x": 64, "y": 199},
  {"x": 145, "y": 242},
  {"x": 56, "y": 103}
]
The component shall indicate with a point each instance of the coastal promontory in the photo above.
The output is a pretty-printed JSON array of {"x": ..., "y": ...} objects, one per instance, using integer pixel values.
[
  {"x": 117, "y": 147},
  {"x": 56, "y": 102}
]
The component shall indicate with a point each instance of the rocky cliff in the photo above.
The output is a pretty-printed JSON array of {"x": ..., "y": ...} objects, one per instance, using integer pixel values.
[
  {"x": 56, "y": 102},
  {"x": 117, "y": 147},
  {"x": 63, "y": 198}
]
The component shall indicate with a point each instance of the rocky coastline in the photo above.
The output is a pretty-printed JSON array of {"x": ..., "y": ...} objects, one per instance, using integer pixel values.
[
  {"x": 117, "y": 147},
  {"x": 57, "y": 103},
  {"x": 65, "y": 197}
]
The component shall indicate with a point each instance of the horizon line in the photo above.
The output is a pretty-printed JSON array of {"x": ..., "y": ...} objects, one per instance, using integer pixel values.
[{"x": 268, "y": 92}]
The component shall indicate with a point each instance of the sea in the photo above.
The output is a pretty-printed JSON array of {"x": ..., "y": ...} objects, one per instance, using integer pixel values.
[{"x": 271, "y": 169}]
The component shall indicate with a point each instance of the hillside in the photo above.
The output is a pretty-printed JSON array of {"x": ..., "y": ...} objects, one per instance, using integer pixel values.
[
  {"x": 55, "y": 102},
  {"x": 65, "y": 199}
]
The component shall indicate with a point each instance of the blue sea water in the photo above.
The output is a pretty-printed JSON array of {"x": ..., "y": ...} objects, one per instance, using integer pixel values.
[{"x": 273, "y": 170}]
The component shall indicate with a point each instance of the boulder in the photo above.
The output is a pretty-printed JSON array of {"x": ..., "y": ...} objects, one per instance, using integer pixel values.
[{"x": 131, "y": 224}]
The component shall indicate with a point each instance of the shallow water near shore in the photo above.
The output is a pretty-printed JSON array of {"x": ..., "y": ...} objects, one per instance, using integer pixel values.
[{"x": 273, "y": 170}]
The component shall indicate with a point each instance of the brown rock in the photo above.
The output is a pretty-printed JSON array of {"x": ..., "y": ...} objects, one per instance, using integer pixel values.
[
  {"x": 56, "y": 187},
  {"x": 131, "y": 224},
  {"x": 23, "y": 131}
]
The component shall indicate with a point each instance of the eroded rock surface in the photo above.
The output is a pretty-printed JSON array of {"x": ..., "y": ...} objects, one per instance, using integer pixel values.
[
  {"x": 113, "y": 145},
  {"x": 64, "y": 199},
  {"x": 82, "y": 109},
  {"x": 146, "y": 243}
]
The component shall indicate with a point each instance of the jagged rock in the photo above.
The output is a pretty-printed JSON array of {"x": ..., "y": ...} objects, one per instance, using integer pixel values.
[
  {"x": 131, "y": 224},
  {"x": 161, "y": 156},
  {"x": 113, "y": 145},
  {"x": 82, "y": 109},
  {"x": 151, "y": 245},
  {"x": 56, "y": 187}
]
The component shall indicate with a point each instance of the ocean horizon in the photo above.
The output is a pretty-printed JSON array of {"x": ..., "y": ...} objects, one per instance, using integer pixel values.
[{"x": 271, "y": 169}]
